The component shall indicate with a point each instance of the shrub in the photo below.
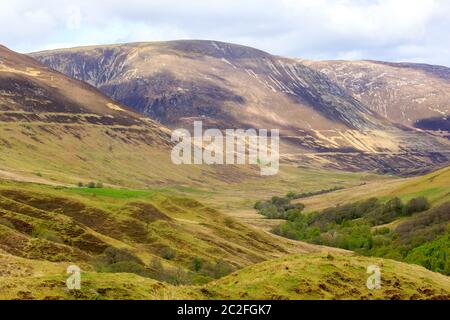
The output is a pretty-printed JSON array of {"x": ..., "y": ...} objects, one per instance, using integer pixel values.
[
  {"x": 99, "y": 185},
  {"x": 91, "y": 185},
  {"x": 113, "y": 255},
  {"x": 80, "y": 184},
  {"x": 229, "y": 222},
  {"x": 116, "y": 260},
  {"x": 46, "y": 234},
  {"x": 416, "y": 205},
  {"x": 221, "y": 269},
  {"x": 127, "y": 267},
  {"x": 433, "y": 255},
  {"x": 177, "y": 276},
  {"x": 167, "y": 253},
  {"x": 197, "y": 264}
]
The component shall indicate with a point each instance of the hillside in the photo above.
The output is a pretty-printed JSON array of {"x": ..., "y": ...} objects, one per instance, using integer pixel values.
[
  {"x": 408, "y": 93},
  {"x": 74, "y": 133},
  {"x": 435, "y": 186},
  {"x": 329, "y": 277},
  {"x": 294, "y": 277},
  {"x": 232, "y": 86},
  {"x": 152, "y": 233},
  {"x": 409, "y": 222}
]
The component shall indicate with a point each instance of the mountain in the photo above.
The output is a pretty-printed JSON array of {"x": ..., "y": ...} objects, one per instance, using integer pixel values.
[
  {"x": 233, "y": 86},
  {"x": 55, "y": 129},
  {"x": 408, "y": 93}
]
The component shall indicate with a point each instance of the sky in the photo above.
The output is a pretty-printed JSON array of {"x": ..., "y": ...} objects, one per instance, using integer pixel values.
[{"x": 390, "y": 30}]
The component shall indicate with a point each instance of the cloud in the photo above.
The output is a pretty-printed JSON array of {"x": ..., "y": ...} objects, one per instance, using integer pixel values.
[{"x": 395, "y": 30}]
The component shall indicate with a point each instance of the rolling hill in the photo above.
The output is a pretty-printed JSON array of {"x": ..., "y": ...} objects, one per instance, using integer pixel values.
[
  {"x": 150, "y": 240},
  {"x": 232, "y": 86},
  {"x": 317, "y": 276},
  {"x": 408, "y": 93}
]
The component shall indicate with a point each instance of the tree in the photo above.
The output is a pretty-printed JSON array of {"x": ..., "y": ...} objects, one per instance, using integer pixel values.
[
  {"x": 197, "y": 264},
  {"x": 414, "y": 205}
]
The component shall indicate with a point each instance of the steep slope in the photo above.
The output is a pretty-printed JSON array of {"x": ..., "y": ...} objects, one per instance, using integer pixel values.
[
  {"x": 57, "y": 129},
  {"x": 175, "y": 80},
  {"x": 412, "y": 94},
  {"x": 227, "y": 85}
]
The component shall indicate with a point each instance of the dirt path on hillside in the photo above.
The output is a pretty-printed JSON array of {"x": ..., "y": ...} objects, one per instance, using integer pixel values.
[{"x": 22, "y": 177}]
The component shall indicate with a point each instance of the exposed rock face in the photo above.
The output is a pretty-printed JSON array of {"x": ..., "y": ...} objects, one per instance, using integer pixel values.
[
  {"x": 403, "y": 92},
  {"x": 232, "y": 86},
  {"x": 173, "y": 80}
]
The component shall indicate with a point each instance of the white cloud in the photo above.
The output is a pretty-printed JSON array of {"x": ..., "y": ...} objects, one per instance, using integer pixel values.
[{"x": 414, "y": 30}]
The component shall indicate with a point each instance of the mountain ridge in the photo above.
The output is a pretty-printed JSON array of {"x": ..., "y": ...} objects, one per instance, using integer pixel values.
[{"x": 227, "y": 85}]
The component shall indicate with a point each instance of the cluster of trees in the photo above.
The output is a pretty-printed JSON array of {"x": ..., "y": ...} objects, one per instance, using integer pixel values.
[
  {"x": 433, "y": 255},
  {"x": 279, "y": 208},
  {"x": 90, "y": 185},
  {"x": 282, "y": 208},
  {"x": 359, "y": 227},
  {"x": 293, "y": 195}
]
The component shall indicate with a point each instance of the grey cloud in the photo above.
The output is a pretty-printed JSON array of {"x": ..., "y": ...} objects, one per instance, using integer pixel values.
[{"x": 396, "y": 30}]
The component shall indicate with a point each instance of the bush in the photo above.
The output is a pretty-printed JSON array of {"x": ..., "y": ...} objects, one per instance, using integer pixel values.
[
  {"x": 80, "y": 184},
  {"x": 197, "y": 264},
  {"x": 433, "y": 255},
  {"x": 416, "y": 205},
  {"x": 221, "y": 269},
  {"x": 99, "y": 185},
  {"x": 127, "y": 267},
  {"x": 229, "y": 222},
  {"x": 168, "y": 253},
  {"x": 116, "y": 260},
  {"x": 91, "y": 185},
  {"x": 46, "y": 234},
  {"x": 277, "y": 208},
  {"x": 113, "y": 255}
]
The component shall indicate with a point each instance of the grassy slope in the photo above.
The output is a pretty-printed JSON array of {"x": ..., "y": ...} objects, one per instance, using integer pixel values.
[
  {"x": 45, "y": 224},
  {"x": 313, "y": 276},
  {"x": 193, "y": 230},
  {"x": 329, "y": 277},
  {"x": 435, "y": 186}
]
